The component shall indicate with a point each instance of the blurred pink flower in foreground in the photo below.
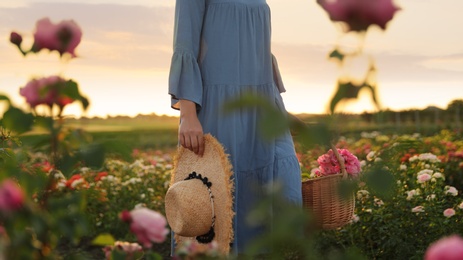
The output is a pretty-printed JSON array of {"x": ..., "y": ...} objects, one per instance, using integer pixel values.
[
  {"x": 148, "y": 225},
  {"x": 360, "y": 14},
  {"x": 62, "y": 37},
  {"x": 11, "y": 196},
  {"x": 447, "y": 248},
  {"x": 47, "y": 91}
]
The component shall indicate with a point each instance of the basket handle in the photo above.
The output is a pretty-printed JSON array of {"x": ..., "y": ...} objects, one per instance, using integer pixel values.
[{"x": 340, "y": 160}]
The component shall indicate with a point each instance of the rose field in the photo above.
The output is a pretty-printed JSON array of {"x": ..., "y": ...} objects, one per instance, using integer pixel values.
[
  {"x": 78, "y": 187},
  {"x": 415, "y": 202}
]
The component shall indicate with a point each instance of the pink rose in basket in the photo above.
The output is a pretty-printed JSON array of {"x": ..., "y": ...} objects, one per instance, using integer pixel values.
[{"x": 329, "y": 163}]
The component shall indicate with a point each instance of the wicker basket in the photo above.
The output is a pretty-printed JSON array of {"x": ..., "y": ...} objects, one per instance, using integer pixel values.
[{"x": 321, "y": 197}]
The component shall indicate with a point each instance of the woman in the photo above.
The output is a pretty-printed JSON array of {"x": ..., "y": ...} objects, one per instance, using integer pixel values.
[{"x": 222, "y": 52}]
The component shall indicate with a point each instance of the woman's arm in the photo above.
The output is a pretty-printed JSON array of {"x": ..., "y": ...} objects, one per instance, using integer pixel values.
[
  {"x": 185, "y": 81},
  {"x": 190, "y": 134}
]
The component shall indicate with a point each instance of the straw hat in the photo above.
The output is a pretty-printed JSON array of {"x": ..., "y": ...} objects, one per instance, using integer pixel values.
[{"x": 199, "y": 201}]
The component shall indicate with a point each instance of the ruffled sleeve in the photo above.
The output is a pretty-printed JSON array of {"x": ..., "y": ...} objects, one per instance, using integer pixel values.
[
  {"x": 185, "y": 81},
  {"x": 277, "y": 75}
]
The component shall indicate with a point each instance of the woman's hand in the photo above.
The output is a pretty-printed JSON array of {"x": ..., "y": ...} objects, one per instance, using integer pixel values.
[{"x": 190, "y": 134}]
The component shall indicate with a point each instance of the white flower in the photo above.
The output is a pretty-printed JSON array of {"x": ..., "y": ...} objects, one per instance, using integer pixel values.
[
  {"x": 418, "y": 209},
  {"x": 355, "y": 218},
  {"x": 460, "y": 206},
  {"x": 428, "y": 157},
  {"x": 413, "y": 158},
  {"x": 430, "y": 172},
  {"x": 371, "y": 155},
  {"x": 85, "y": 170},
  {"x": 61, "y": 185},
  {"x": 377, "y": 159},
  {"x": 438, "y": 175},
  {"x": 363, "y": 163},
  {"x": 142, "y": 196},
  {"x": 77, "y": 182},
  {"x": 379, "y": 202},
  {"x": 411, "y": 194},
  {"x": 427, "y": 166},
  {"x": 403, "y": 167},
  {"x": 361, "y": 194},
  {"x": 58, "y": 175},
  {"x": 431, "y": 197},
  {"x": 451, "y": 190}
]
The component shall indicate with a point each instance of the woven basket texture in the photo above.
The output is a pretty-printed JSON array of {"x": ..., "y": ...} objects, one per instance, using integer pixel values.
[{"x": 321, "y": 197}]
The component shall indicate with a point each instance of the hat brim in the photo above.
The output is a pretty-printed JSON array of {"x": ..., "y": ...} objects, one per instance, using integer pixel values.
[{"x": 215, "y": 165}]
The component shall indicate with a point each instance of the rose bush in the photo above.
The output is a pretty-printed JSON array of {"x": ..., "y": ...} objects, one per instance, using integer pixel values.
[{"x": 419, "y": 206}]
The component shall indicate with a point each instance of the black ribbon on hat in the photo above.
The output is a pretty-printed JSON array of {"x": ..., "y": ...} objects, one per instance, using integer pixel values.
[{"x": 209, "y": 236}]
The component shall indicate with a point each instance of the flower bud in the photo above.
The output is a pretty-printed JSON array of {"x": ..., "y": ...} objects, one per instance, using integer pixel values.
[{"x": 16, "y": 38}]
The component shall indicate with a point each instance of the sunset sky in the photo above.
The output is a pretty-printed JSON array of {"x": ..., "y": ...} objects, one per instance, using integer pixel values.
[{"x": 125, "y": 53}]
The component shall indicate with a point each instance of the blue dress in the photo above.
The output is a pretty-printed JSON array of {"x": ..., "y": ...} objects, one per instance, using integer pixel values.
[{"x": 221, "y": 52}]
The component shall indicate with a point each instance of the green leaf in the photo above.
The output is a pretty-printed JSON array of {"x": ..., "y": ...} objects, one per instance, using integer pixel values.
[
  {"x": 336, "y": 54},
  {"x": 71, "y": 90},
  {"x": 3, "y": 97},
  {"x": 310, "y": 134},
  {"x": 345, "y": 91},
  {"x": 381, "y": 181},
  {"x": 273, "y": 121},
  {"x": 44, "y": 122},
  {"x": 84, "y": 101},
  {"x": 118, "y": 255},
  {"x": 103, "y": 240},
  {"x": 17, "y": 120},
  {"x": 153, "y": 256},
  {"x": 93, "y": 155}
]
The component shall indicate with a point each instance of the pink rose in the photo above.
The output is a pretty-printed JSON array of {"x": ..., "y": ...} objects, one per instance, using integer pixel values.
[
  {"x": 448, "y": 248},
  {"x": 451, "y": 190},
  {"x": 148, "y": 225},
  {"x": 360, "y": 14},
  {"x": 423, "y": 178},
  {"x": 11, "y": 196},
  {"x": 449, "y": 212},
  {"x": 418, "y": 209},
  {"x": 36, "y": 94},
  {"x": 47, "y": 91},
  {"x": 329, "y": 163},
  {"x": 62, "y": 37}
]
